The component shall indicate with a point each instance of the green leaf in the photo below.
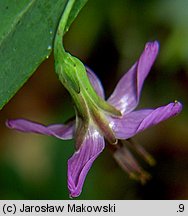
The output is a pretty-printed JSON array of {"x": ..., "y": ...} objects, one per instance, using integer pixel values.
[{"x": 27, "y": 31}]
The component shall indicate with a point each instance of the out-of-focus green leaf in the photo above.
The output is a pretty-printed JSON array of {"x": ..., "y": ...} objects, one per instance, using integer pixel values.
[
  {"x": 27, "y": 30},
  {"x": 174, "y": 15}
]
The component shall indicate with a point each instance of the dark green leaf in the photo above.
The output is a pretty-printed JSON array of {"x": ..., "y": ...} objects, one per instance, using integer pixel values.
[{"x": 27, "y": 30}]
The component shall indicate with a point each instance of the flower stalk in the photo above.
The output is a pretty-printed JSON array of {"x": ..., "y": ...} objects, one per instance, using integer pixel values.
[{"x": 90, "y": 108}]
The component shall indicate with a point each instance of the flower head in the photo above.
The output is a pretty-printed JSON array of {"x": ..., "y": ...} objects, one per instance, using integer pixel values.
[{"x": 115, "y": 121}]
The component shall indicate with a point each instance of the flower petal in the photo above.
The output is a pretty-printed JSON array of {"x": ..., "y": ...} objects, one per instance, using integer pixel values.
[
  {"x": 58, "y": 130},
  {"x": 137, "y": 121},
  {"x": 82, "y": 160},
  {"x": 127, "y": 92},
  {"x": 96, "y": 83},
  {"x": 128, "y": 163}
]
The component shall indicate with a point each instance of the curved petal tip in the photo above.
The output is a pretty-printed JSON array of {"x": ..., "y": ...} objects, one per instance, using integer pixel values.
[
  {"x": 177, "y": 107},
  {"x": 8, "y": 123},
  {"x": 81, "y": 161},
  {"x": 152, "y": 46}
]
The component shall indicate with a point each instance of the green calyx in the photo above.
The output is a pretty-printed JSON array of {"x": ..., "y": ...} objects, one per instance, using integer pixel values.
[{"x": 89, "y": 106}]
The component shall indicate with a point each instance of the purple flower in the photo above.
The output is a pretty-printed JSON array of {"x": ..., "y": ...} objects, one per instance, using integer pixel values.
[{"x": 125, "y": 98}]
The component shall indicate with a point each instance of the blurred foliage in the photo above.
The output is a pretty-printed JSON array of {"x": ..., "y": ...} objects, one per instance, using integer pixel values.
[{"x": 108, "y": 36}]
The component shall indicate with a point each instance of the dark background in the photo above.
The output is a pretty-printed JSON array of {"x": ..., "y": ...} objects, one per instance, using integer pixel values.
[{"x": 108, "y": 36}]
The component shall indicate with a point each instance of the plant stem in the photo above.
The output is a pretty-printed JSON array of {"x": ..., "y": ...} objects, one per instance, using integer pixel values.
[{"x": 62, "y": 24}]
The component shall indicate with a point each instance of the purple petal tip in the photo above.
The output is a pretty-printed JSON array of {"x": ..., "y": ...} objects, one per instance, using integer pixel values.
[
  {"x": 152, "y": 46},
  {"x": 177, "y": 107},
  {"x": 8, "y": 124}
]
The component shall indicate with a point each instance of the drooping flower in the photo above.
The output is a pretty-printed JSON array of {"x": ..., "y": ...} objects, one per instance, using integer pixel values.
[{"x": 91, "y": 131}]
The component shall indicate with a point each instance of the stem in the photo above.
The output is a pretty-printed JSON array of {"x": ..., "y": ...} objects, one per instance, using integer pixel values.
[{"x": 62, "y": 24}]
